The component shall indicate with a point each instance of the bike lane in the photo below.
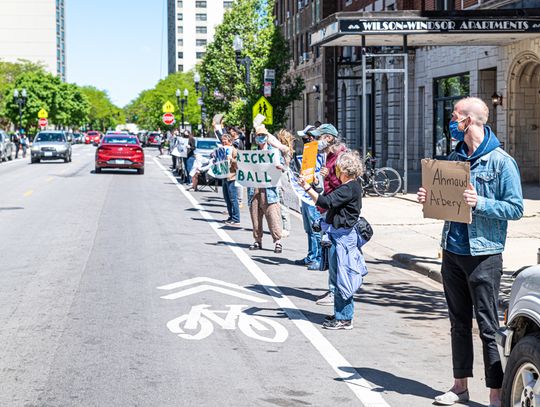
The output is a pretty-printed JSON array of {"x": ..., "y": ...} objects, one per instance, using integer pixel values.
[{"x": 269, "y": 348}]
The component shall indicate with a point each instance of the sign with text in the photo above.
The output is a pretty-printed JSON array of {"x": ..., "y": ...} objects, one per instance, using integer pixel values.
[
  {"x": 309, "y": 161},
  {"x": 445, "y": 183},
  {"x": 220, "y": 169},
  {"x": 258, "y": 169}
]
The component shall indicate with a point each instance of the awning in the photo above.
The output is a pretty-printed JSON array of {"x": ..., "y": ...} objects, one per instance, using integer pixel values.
[{"x": 388, "y": 28}]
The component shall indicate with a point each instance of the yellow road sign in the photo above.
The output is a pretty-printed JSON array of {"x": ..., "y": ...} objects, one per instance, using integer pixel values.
[
  {"x": 42, "y": 114},
  {"x": 264, "y": 107},
  {"x": 168, "y": 107}
]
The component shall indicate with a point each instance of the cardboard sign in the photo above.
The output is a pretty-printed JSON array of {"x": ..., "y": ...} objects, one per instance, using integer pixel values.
[
  {"x": 220, "y": 169},
  {"x": 445, "y": 182},
  {"x": 258, "y": 168},
  {"x": 309, "y": 161}
]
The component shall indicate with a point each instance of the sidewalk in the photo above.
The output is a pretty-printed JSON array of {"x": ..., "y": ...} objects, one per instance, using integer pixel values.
[{"x": 402, "y": 234}]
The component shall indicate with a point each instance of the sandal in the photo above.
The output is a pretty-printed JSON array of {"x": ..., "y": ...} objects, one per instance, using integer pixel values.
[
  {"x": 278, "y": 248},
  {"x": 255, "y": 246}
]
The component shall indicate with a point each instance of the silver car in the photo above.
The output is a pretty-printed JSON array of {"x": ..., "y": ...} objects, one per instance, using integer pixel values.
[
  {"x": 519, "y": 342},
  {"x": 7, "y": 147},
  {"x": 51, "y": 145}
]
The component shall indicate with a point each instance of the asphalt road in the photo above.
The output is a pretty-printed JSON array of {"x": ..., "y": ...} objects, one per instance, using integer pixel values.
[{"x": 118, "y": 289}]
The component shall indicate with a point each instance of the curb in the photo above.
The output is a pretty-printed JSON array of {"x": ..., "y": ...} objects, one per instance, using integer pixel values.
[{"x": 409, "y": 263}]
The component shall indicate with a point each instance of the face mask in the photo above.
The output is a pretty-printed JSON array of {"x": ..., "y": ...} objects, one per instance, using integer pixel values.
[
  {"x": 455, "y": 132},
  {"x": 261, "y": 139},
  {"x": 322, "y": 145}
]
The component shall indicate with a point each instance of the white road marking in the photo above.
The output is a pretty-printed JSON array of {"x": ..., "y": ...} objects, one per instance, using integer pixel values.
[
  {"x": 207, "y": 287},
  {"x": 357, "y": 384},
  {"x": 198, "y": 280}
]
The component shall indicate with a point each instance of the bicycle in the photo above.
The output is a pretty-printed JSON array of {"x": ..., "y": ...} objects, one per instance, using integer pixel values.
[
  {"x": 384, "y": 181},
  {"x": 199, "y": 321}
]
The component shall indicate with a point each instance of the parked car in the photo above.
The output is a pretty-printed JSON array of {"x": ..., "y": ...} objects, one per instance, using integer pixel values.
[
  {"x": 7, "y": 147},
  {"x": 152, "y": 139},
  {"x": 519, "y": 342},
  {"x": 51, "y": 145},
  {"x": 205, "y": 146},
  {"x": 92, "y": 137},
  {"x": 120, "y": 151}
]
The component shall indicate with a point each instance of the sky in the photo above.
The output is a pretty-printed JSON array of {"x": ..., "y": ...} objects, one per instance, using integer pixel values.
[{"x": 116, "y": 45}]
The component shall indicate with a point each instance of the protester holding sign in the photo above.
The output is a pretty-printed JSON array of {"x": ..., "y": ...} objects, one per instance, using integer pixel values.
[
  {"x": 287, "y": 139},
  {"x": 472, "y": 253},
  {"x": 343, "y": 206},
  {"x": 229, "y": 189},
  {"x": 264, "y": 200}
]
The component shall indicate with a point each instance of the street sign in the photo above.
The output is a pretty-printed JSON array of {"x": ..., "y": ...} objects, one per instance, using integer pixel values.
[
  {"x": 42, "y": 114},
  {"x": 168, "y": 107},
  {"x": 267, "y": 89},
  {"x": 168, "y": 118},
  {"x": 264, "y": 107},
  {"x": 270, "y": 76},
  {"x": 43, "y": 122}
]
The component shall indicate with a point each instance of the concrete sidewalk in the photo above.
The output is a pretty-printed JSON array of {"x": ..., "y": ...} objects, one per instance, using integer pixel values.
[{"x": 402, "y": 234}]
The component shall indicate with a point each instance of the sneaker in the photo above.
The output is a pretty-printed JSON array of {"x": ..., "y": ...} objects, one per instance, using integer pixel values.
[
  {"x": 315, "y": 266},
  {"x": 336, "y": 324},
  {"x": 302, "y": 262},
  {"x": 327, "y": 300},
  {"x": 232, "y": 223}
]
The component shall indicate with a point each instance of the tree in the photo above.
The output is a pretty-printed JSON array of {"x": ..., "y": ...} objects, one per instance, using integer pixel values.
[
  {"x": 264, "y": 43},
  {"x": 103, "y": 114}
]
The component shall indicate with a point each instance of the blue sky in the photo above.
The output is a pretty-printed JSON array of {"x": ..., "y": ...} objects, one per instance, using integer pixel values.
[{"x": 116, "y": 45}]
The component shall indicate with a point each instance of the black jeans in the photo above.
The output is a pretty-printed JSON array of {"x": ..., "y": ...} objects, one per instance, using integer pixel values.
[{"x": 471, "y": 283}]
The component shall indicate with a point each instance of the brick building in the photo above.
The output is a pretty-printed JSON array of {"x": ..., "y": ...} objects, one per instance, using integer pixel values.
[{"x": 488, "y": 62}]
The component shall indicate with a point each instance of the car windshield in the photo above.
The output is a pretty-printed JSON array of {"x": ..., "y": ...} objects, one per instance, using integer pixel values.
[
  {"x": 207, "y": 144},
  {"x": 44, "y": 137},
  {"x": 119, "y": 140}
]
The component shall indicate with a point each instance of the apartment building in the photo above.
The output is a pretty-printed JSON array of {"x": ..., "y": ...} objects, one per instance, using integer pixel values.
[
  {"x": 34, "y": 31},
  {"x": 191, "y": 26},
  {"x": 489, "y": 49}
]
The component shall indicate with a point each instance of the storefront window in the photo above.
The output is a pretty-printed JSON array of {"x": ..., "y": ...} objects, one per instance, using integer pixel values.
[{"x": 447, "y": 91}]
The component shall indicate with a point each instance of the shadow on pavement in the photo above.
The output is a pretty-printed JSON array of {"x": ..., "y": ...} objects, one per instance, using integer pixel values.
[
  {"x": 389, "y": 382},
  {"x": 272, "y": 260},
  {"x": 206, "y": 210},
  {"x": 286, "y": 291},
  {"x": 207, "y": 220},
  {"x": 408, "y": 300},
  {"x": 414, "y": 259},
  {"x": 222, "y": 243}
]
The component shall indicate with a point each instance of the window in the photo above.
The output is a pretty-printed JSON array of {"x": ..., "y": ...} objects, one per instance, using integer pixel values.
[
  {"x": 180, "y": 16},
  {"x": 180, "y": 4},
  {"x": 200, "y": 42},
  {"x": 180, "y": 68},
  {"x": 181, "y": 42},
  {"x": 199, "y": 55},
  {"x": 227, "y": 4},
  {"x": 200, "y": 4},
  {"x": 200, "y": 17},
  {"x": 200, "y": 30},
  {"x": 180, "y": 29},
  {"x": 180, "y": 55}
]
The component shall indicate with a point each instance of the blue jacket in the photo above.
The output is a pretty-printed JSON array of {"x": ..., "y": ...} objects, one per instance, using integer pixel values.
[{"x": 495, "y": 177}]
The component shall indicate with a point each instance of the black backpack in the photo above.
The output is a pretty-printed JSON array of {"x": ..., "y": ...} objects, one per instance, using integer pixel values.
[{"x": 364, "y": 230}]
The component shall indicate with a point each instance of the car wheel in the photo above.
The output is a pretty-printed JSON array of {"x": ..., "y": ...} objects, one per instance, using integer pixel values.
[
  {"x": 34, "y": 160},
  {"x": 521, "y": 379},
  {"x": 140, "y": 171},
  {"x": 97, "y": 170}
]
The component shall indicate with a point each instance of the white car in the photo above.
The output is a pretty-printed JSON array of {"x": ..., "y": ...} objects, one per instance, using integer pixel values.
[{"x": 519, "y": 342}]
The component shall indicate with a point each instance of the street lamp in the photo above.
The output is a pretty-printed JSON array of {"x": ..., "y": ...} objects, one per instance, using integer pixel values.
[
  {"x": 20, "y": 99},
  {"x": 182, "y": 102},
  {"x": 238, "y": 46},
  {"x": 202, "y": 89}
]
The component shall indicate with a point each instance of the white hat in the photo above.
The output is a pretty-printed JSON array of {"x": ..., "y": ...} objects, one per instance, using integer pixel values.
[{"x": 303, "y": 133}]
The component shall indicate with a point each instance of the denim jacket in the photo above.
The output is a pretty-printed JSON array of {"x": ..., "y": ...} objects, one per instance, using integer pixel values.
[{"x": 495, "y": 176}]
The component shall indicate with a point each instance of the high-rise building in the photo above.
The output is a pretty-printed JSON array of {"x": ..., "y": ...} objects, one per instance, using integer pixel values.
[
  {"x": 34, "y": 31},
  {"x": 191, "y": 25}
]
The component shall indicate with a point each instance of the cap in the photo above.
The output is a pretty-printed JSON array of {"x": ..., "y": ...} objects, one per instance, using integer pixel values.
[
  {"x": 325, "y": 128},
  {"x": 303, "y": 133}
]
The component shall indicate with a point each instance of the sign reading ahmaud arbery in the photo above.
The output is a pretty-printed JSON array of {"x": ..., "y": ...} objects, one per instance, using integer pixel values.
[{"x": 445, "y": 183}]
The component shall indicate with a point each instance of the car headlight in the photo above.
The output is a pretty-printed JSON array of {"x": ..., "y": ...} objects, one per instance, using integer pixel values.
[
  {"x": 61, "y": 149},
  {"x": 35, "y": 148}
]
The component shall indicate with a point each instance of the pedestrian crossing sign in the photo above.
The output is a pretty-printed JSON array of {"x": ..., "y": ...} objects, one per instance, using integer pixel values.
[{"x": 264, "y": 107}]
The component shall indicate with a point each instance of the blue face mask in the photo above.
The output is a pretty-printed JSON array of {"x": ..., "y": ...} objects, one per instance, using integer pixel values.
[
  {"x": 261, "y": 139},
  {"x": 455, "y": 132}
]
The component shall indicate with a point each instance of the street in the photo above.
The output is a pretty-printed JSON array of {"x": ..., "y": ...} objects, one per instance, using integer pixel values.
[{"x": 118, "y": 289}]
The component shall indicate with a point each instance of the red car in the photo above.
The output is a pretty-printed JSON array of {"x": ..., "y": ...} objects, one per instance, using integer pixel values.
[
  {"x": 154, "y": 139},
  {"x": 92, "y": 137},
  {"x": 120, "y": 151}
]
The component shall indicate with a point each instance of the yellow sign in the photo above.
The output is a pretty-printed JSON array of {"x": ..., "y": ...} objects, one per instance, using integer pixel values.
[
  {"x": 42, "y": 114},
  {"x": 264, "y": 107},
  {"x": 168, "y": 107},
  {"x": 309, "y": 161}
]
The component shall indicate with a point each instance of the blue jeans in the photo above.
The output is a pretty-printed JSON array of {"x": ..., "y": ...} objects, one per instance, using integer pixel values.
[
  {"x": 231, "y": 199},
  {"x": 188, "y": 164},
  {"x": 332, "y": 271},
  {"x": 309, "y": 215}
]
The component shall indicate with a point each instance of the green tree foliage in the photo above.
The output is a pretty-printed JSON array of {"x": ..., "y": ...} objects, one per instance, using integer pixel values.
[
  {"x": 103, "y": 113},
  {"x": 264, "y": 43},
  {"x": 146, "y": 109}
]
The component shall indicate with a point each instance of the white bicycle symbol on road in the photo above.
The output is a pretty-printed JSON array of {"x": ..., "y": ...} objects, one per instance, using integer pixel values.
[{"x": 200, "y": 322}]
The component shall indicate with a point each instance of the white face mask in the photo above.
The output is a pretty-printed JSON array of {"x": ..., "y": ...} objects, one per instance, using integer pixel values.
[{"x": 322, "y": 145}]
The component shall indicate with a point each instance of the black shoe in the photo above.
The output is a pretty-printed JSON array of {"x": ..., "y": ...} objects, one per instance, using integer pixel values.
[
  {"x": 336, "y": 324},
  {"x": 302, "y": 262}
]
